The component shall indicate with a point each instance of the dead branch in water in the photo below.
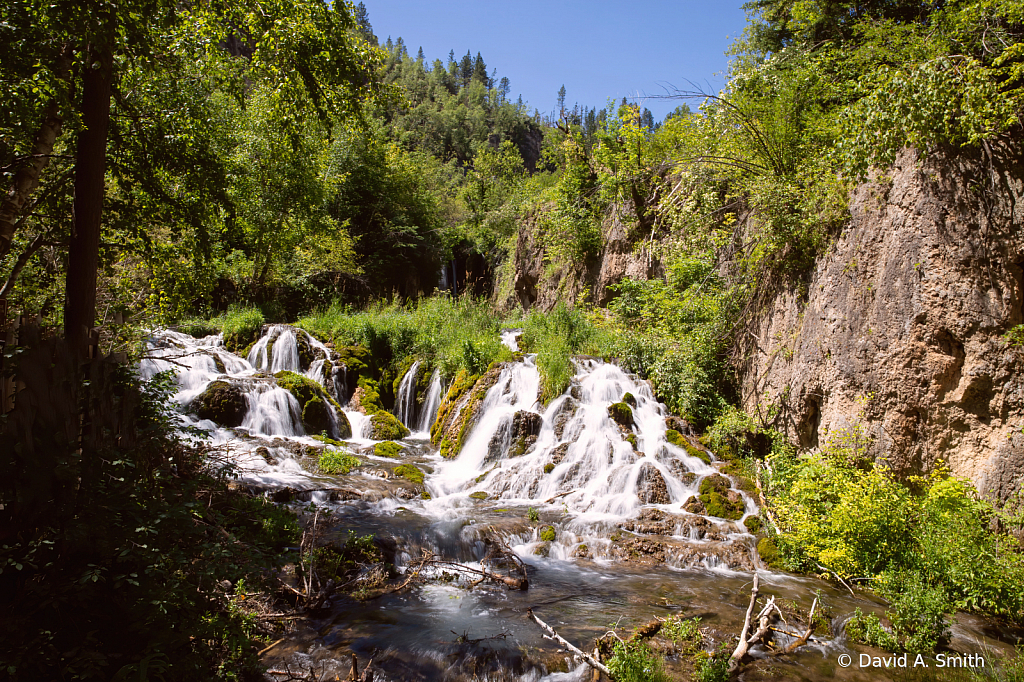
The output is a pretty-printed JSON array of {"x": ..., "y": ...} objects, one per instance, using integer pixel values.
[
  {"x": 741, "y": 648},
  {"x": 590, "y": 660},
  {"x": 804, "y": 637}
]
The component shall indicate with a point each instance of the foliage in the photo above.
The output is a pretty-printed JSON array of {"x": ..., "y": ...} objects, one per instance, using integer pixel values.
[
  {"x": 547, "y": 534},
  {"x": 533, "y": 515},
  {"x": 685, "y": 632},
  {"x": 388, "y": 449},
  {"x": 712, "y": 667},
  {"x": 635, "y": 662},
  {"x": 337, "y": 462},
  {"x": 556, "y": 337},
  {"x": 130, "y": 580},
  {"x": 410, "y": 472}
]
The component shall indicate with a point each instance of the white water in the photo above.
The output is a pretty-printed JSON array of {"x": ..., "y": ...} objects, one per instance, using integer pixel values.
[
  {"x": 431, "y": 403},
  {"x": 405, "y": 401}
]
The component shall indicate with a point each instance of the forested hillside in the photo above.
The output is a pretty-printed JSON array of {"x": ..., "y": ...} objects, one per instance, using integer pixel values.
[{"x": 790, "y": 313}]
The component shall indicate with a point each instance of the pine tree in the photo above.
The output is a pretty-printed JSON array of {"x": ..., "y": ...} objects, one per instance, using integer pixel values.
[
  {"x": 479, "y": 69},
  {"x": 420, "y": 57},
  {"x": 363, "y": 23},
  {"x": 561, "y": 100},
  {"x": 466, "y": 69},
  {"x": 504, "y": 86}
]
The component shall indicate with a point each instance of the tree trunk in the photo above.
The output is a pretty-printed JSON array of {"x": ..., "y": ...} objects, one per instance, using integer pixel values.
[
  {"x": 90, "y": 187},
  {"x": 26, "y": 179}
]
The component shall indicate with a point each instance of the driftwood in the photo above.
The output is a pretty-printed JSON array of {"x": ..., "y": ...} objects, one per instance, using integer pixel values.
[
  {"x": 590, "y": 660},
  {"x": 741, "y": 648},
  {"x": 807, "y": 634}
]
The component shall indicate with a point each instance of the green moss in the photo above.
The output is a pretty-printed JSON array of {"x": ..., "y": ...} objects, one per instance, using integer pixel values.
[
  {"x": 753, "y": 524},
  {"x": 463, "y": 382},
  {"x": 400, "y": 371},
  {"x": 425, "y": 495},
  {"x": 222, "y": 403},
  {"x": 479, "y": 495},
  {"x": 547, "y": 534},
  {"x": 337, "y": 462},
  {"x": 629, "y": 399},
  {"x": 370, "y": 400},
  {"x": 385, "y": 426},
  {"x": 737, "y": 471},
  {"x": 548, "y": 468},
  {"x": 714, "y": 495},
  {"x": 680, "y": 441},
  {"x": 313, "y": 402},
  {"x": 388, "y": 448},
  {"x": 410, "y": 472},
  {"x": 632, "y": 440},
  {"x": 327, "y": 440},
  {"x": 769, "y": 553},
  {"x": 316, "y": 418},
  {"x": 621, "y": 413}
]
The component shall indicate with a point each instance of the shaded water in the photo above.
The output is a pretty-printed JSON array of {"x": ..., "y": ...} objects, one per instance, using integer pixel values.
[{"x": 625, "y": 549}]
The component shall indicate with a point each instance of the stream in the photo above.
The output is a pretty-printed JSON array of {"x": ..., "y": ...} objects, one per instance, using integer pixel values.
[{"x": 625, "y": 547}]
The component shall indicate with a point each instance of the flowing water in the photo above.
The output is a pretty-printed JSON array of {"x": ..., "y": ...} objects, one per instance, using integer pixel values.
[{"x": 624, "y": 550}]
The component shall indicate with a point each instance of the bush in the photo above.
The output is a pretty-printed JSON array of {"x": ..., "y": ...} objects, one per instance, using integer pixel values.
[
  {"x": 635, "y": 662},
  {"x": 337, "y": 462},
  {"x": 241, "y": 327}
]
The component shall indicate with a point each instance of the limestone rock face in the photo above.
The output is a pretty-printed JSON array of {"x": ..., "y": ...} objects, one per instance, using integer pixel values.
[
  {"x": 222, "y": 403},
  {"x": 900, "y": 324}
]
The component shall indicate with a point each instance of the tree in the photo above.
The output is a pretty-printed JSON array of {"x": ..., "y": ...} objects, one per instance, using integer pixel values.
[{"x": 561, "y": 100}]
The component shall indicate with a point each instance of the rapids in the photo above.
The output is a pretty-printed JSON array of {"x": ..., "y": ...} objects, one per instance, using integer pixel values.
[{"x": 625, "y": 547}]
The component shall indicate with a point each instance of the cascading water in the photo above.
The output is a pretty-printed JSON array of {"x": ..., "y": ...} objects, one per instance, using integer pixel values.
[
  {"x": 431, "y": 403},
  {"x": 405, "y": 401},
  {"x": 613, "y": 493}
]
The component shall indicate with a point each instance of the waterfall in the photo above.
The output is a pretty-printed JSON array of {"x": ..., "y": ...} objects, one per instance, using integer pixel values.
[
  {"x": 405, "y": 402},
  {"x": 431, "y": 403},
  {"x": 581, "y": 456}
]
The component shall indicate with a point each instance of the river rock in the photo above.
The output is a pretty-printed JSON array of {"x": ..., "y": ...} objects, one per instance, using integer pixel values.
[
  {"x": 651, "y": 487},
  {"x": 221, "y": 402},
  {"x": 652, "y": 522},
  {"x": 525, "y": 428},
  {"x": 566, "y": 410},
  {"x": 460, "y": 410},
  {"x": 385, "y": 426}
]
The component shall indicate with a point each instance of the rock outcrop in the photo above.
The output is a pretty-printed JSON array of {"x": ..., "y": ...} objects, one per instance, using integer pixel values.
[{"x": 899, "y": 327}]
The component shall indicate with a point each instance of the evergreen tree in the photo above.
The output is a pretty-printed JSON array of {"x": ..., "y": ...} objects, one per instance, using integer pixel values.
[
  {"x": 479, "y": 70},
  {"x": 504, "y": 85},
  {"x": 363, "y": 26},
  {"x": 419, "y": 55},
  {"x": 466, "y": 69},
  {"x": 561, "y": 100}
]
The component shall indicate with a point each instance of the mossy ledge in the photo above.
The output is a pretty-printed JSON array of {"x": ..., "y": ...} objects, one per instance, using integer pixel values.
[
  {"x": 680, "y": 441},
  {"x": 459, "y": 411},
  {"x": 313, "y": 401},
  {"x": 719, "y": 500},
  {"x": 385, "y": 426}
]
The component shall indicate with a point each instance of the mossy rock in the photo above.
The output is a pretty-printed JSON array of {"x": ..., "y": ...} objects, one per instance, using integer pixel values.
[
  {"x": 680, "y": 441},
  {"x": 388, "y": 448},
  {"x": 222, "y": 403},
  {"x": 693, "y": 505},
  {"x": 719, "y": 500},
  {"x": 409, "y": 472},
  {"x": 385, "y": 426},
  {"x": 629, "y": 399},
  {"x": 753, "y": 524},
  {"x": 631, "y": 439},
  {"x": 769, "y": 553},
  {"x": 548, "y": 468},
  {"x": 740, "y": 481},
  {"x": 479, "y": 495},
  {"x": 313, "y": 401},
  {"x": 547, "y": 534},
  {"x": 460, "y": 410},
  {"x": 621, "y": 414},
  {"x": 401, "y": 370},
  {"x": 581, "y": 552},
  {"x": 240, "y": 342},
  {"x": 463, "y": 382},
  {"x": 425, "y": 495}
]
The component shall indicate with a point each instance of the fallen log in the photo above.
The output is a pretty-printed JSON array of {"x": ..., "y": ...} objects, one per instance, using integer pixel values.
[{"x": 590, "y": 660}]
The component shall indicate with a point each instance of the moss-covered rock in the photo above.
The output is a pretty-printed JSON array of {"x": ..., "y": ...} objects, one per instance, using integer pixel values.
[
  {"x": 719, "y": 500},
  {"x": 388, "y": 448},
  {"x": 222, "y": 403},
  {"x": 460, "y": 410},
  {"x": 548, "y": 468},
  {"x": 629, "y": 399},
  {"x": 631, "y": 439},
  {"x": 621, "y": 414},
  {"x": 547, "y": 534},
  {"x": 409, "y": 472},
  {"x": 525, "y": 429},
  {"x": 479, "y": 495},
  {"x": 385, "y": 426},
  {"x": 313, "y": 402},
  {"x": 681, "y": 441},
  {"x": 753, "y": 524},
  {"x": 581, "y": 552}
]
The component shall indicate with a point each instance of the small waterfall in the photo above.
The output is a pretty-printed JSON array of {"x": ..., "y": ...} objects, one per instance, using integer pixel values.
[
  {"x": 405, "y": 402},
  {"x": 431, "y": 403},
  {"x": 581, "y": 456},
  {"x": 509, "y": 338}
]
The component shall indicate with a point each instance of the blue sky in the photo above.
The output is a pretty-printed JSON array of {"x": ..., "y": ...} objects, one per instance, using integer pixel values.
[{"x": 597, "y": 49}]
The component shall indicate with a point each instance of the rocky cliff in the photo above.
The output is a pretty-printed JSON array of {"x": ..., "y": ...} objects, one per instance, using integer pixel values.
[{"x": 901, "y": 323}]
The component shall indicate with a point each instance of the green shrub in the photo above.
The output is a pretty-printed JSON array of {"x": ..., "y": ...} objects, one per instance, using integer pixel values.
[
  {"x": 533, "y": 515},
  {"x": 868, "y": 629},
  {"x": 337, "y": 462},
  {"x": 684, "y": 632},
  {"x": 410, "y": 472},
  {"x": 769, "y": 553},
  {"x": 635, "y": 662},
  {"x": 711, "y": 667},
  {"x": 753, "y": 524}
]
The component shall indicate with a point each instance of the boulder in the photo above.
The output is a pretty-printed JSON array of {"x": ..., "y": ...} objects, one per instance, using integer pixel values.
[
  {"x": 222, "y": 403},
  {"x": 385, "y": 426},
  {"x": 651, "y": 487}
]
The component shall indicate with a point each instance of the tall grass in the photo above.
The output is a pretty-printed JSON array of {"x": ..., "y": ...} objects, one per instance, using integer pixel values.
[
  {"x": 451, "y": 333},
  {"x": 558, "y": 336}
]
